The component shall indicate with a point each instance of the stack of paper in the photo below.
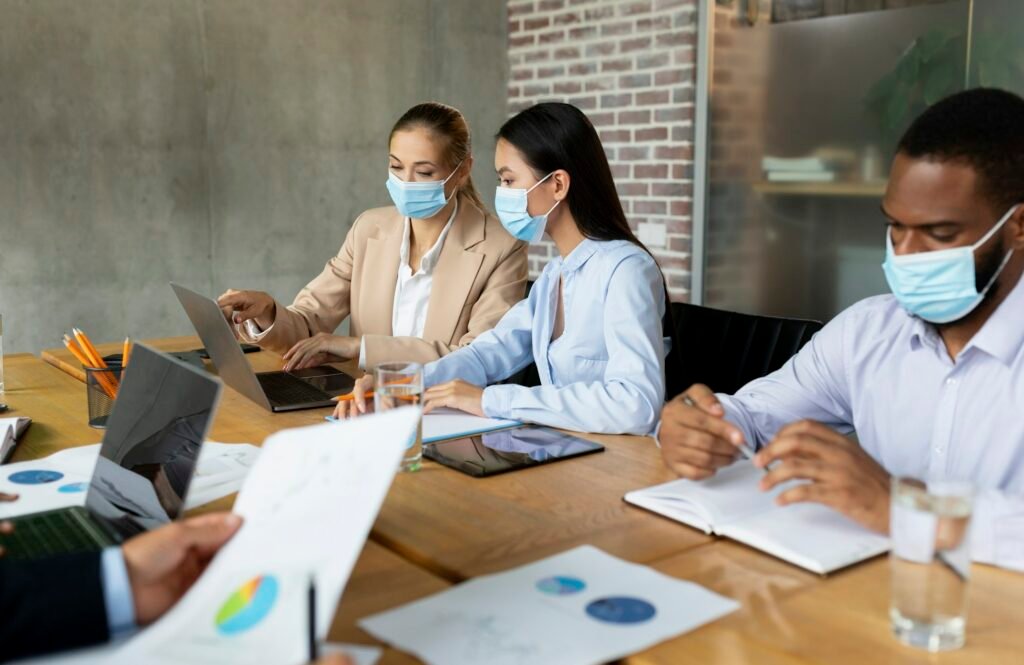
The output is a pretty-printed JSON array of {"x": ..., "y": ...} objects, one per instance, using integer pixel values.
[
  {"x": 11, "y": 430},
  {"x": 796, "y": 169},
  {"x": 444, "y": 424}
]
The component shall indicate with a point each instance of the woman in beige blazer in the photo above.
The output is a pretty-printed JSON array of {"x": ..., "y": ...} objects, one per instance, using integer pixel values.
[{"x": 418, "y": 279}]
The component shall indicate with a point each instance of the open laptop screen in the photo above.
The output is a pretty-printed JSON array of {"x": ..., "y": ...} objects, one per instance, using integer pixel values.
[{"x": 151, "y": 447}]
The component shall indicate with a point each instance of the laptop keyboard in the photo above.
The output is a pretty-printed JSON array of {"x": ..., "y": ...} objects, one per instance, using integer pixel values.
[
  {"x": 284, "y": 389},
  {"x": 57, "y": 532}
]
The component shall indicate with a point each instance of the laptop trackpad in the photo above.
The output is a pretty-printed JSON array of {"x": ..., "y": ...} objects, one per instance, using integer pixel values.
[{"x": 328, "y": 379}]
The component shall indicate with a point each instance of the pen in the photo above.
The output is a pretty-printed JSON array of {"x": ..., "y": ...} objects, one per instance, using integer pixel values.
[
  {"x": 744, "y": 448},
  {"x": 313, "y": 655}
]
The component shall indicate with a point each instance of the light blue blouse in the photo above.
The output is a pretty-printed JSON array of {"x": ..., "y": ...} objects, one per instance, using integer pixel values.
[{"x": 605, "y": 373}]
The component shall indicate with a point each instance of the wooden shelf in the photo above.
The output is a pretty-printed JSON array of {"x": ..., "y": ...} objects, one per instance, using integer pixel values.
[{"x": 875, "y": 189}]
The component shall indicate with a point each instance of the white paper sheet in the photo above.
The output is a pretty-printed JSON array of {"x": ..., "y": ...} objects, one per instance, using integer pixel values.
[
  {"x": 546, "y": 612},
  {"x": 446, "y": 424},
  {"x": 360, "y": 653},
  {"x": 220, "y": 472},
  {"x": 308, "y": 505}
]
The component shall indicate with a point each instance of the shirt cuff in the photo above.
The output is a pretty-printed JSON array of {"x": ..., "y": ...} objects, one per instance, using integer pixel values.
[
  {"x": 254, "y": 332},
  {"x": 117, "y": 593},
  {"x": 656, "y": 433},
  {"x": 362, "y": 353},
  {"x": 497, "y": 402}
]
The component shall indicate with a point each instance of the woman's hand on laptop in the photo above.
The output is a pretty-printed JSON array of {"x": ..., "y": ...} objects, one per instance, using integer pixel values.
[
  {"x": 241, "y": 306},
  {"x": 319, "y": 349},
  {"x": 356, "y": 403}
]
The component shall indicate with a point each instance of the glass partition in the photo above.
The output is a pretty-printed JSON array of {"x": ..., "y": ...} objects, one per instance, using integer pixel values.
[{"x": 803, "y": 119}]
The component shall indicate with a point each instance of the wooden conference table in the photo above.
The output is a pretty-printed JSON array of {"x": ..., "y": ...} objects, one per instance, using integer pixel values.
[{"x": 438, "y": 527}]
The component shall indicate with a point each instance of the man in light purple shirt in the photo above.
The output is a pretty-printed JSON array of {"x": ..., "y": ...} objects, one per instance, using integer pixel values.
[{"x": 930, "y": 378}]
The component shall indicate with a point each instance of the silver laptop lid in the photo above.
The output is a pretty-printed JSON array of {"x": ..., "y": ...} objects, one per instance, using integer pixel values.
[
  {"x": 163, "y": 411},
  {"x": 211, "y": 326}
]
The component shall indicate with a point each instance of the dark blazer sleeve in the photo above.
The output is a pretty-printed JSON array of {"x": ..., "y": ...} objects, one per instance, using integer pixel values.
[{"x": 51, "y": 605}]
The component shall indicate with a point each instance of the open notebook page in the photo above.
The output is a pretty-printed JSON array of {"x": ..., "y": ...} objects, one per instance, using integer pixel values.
[
  {"x": 809, "y": 535},
  {"x": 728, "y": 496}
]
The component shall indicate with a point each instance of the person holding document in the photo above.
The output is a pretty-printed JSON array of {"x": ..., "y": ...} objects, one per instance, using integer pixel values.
[
  {"x": 593, "y": 321},
  {"x": 417, "y": 280},
  {"x": 931, "y": 378},
  {"x": 106, "y": 595}
]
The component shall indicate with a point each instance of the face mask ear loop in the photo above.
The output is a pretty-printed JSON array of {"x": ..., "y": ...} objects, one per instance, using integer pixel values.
[{"x": 991, "y": 232}]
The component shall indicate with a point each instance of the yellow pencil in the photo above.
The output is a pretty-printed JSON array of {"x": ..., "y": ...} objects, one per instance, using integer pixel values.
[{"x": 125, "y": 352}]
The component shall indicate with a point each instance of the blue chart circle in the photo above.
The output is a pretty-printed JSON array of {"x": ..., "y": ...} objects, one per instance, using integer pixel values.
[
  {"x": 35, "y": 477},
  {"x": 73, "y": 488},
  {"x": 621, "y": 609},
  {"x": 561, "y": 586}
]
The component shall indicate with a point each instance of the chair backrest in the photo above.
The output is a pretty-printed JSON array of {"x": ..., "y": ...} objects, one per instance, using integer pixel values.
[{"x": 726, "y": 350}]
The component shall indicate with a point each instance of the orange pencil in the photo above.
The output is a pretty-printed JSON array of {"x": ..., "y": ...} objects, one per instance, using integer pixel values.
[
  {"x": 351, "y": 396},
  {"x": 124, "y": 353},
  {"x": 109, "y": 380},
  {"x": 76, "y": 352},
  {"x": 86, "y": 362},
  {"x": 90, "y": 351}
]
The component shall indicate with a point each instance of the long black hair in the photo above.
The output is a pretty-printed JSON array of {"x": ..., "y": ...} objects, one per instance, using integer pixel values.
[{"x": 553, "y": 136}]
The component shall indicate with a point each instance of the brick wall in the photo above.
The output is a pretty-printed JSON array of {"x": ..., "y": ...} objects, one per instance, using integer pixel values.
[{"x": 630, "y": 66}]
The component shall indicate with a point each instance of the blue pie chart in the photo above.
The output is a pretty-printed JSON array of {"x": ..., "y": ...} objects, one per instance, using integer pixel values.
[
  {"x": 35, "y": 477},
  {"x": 561, "y": 586},
  {"x": 621, "y": 609}
]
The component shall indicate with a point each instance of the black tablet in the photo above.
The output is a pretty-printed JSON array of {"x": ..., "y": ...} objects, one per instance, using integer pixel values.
[{"x": 508, "y": 450}]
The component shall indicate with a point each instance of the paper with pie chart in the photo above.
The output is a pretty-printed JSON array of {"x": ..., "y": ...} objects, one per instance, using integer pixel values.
[
  {"x": 308, "y": 505},
  {"x": 61, "y": 480},
  {"x": 578, "y": 607}
]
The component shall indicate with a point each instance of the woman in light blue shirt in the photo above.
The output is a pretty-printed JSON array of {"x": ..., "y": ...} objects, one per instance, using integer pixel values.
[{"x": 593, "y": 321}]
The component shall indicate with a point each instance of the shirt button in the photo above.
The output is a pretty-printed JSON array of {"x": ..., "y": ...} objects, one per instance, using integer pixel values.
[
  {"x": 940, "y": 450},
  {"x": 950, "y": 381}
]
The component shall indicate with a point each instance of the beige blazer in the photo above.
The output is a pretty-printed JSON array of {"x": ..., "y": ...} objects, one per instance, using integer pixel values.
[{"x": 480, "y": 274}]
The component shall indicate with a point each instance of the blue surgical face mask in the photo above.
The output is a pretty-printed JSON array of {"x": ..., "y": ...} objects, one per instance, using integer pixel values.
[
  {"x": 940, "y": 286},
  {"x": 511, "y": 206},
  {"x": 418, "y": 200}
]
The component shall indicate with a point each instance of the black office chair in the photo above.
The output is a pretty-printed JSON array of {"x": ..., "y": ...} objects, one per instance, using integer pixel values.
[{"x": 725, "y": 350}]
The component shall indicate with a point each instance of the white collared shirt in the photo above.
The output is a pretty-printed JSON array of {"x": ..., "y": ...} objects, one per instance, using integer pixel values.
[
  {"x": 885, "y": 374},
  {"x": 605, "y": 373},
  {"x": 412, "y": 290}
]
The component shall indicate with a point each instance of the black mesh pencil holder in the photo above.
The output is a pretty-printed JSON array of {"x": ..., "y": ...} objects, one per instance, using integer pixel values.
[{"x": 101, "y": 387}]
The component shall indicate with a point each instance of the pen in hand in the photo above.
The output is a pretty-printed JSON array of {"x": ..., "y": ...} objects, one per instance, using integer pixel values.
[{"x": 745, "y": 449}]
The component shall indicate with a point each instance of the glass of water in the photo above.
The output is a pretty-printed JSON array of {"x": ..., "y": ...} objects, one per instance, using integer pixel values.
[
  {"x": 1, "y": 359},
  {"x": 930, "y": 562},
  {"x": 397, "y": 385}
]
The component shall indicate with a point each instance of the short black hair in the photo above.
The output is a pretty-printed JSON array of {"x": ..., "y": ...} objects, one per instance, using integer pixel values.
[{"x": 981, "y": 127}]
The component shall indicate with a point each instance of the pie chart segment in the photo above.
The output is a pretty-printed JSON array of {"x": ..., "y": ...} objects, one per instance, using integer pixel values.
[{"x": 247, "y": 606}]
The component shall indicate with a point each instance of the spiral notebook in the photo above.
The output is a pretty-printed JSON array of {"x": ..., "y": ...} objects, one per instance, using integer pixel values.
[
  {"x": 11, "y": 430},
  {"x": 731, "y": 504}
]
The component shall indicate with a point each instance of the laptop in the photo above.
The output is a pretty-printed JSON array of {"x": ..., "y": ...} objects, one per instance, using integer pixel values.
[
  {"x": 275, "y": 391},
  {"x": 145, "y": 466}
]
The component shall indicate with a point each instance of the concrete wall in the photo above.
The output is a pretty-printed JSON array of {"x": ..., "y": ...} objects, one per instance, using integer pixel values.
[{"x": 218, "y": 143}]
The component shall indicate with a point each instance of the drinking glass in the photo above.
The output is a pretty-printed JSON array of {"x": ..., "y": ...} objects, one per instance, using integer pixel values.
[
  {"x": 397, "y": 385},
  {"x": 930, "y": 562}
]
